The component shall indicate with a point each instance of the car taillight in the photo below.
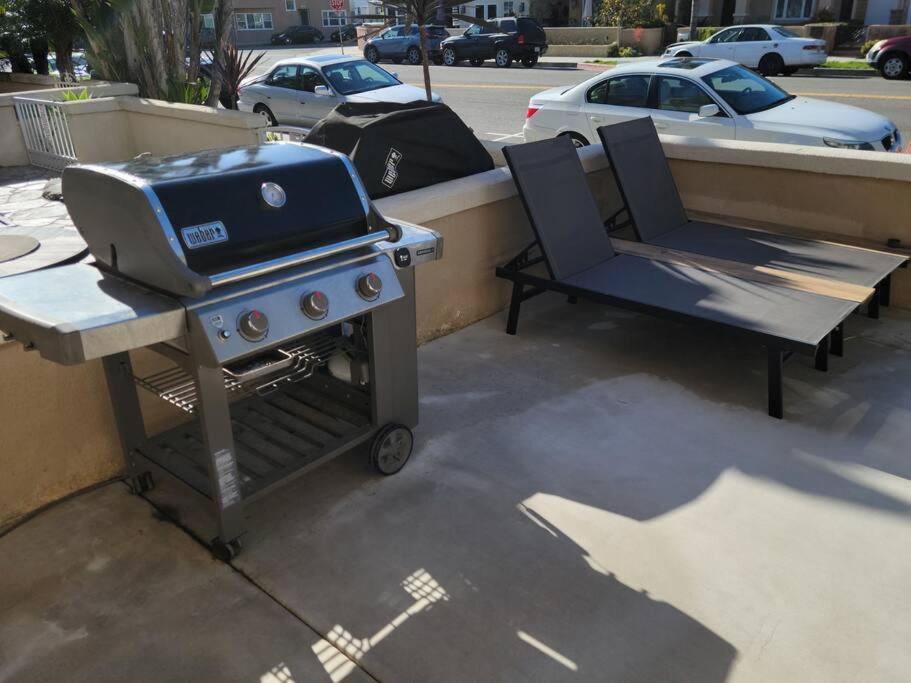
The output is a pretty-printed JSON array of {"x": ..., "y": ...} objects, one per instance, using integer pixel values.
[
  {"x": 531, "y": 112},
  {"x": 520, "y": 39}
]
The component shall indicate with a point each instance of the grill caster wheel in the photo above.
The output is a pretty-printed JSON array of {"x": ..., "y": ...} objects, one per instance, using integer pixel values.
[
  {"x": 226, "y": 551},
  {"x": 391, "y": 448},
  {"x": 141, "y": 483}
]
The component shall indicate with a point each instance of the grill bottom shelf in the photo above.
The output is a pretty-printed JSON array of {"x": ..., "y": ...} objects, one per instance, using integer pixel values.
[{"x": 276, "y": 436}]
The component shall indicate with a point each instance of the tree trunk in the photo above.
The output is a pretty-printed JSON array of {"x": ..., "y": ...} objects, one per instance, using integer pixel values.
[
  {"x": 39, "y": 49},
  {"x": 194, "y": 24},
  {"x": 19, "y": 63},
  {"x": 223, "y": 11},
  {"x": 425, "y": 63},
  {"x": 63, "y": 48}
]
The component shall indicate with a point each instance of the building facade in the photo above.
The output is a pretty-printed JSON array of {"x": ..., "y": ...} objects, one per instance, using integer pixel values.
[
  {"x": 726, "y": 12},
  {"x": 256, "y": 20}
]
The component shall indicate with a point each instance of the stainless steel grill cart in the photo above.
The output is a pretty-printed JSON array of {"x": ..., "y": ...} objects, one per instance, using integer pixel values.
[{"x": 283, "y": 300}]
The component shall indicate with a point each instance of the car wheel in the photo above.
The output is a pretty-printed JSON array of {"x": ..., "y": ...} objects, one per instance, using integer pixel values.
[
  {"x": 287, "y": 41},
  {"x": 894, "y": 66},
  {"x": 414, "y": 55},
  {"x": 771, "y": 65},
  {"x": 683, "y": 54},
  {"x": 529, "y": 62},
  {"x": 371, "y": 55},
  {"x": 578, "y": 140},
  {"x": 476, "y": 61},
  {"x": 502, "y": 58},
  {"x": 449, "y": 57},
  {"x": 263, "y": 110}
]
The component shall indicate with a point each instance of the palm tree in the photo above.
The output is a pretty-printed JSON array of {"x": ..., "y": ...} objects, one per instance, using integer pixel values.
[{"x": 420, "y": 12}]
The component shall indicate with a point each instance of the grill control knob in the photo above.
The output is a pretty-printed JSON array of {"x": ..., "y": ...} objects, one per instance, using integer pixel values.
[
  {"x": 253, "y": 325},
  {"x": 369, "y": 286},
  {"x": 315, "y": 305}
]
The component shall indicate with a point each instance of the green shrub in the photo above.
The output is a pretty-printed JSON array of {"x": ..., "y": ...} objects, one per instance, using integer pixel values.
[
  {"x": 74, "y": 95},
  {"x": 628, "y": 52},
  {"x": 706, "y": 32},
  {"x": 866, "y": 47}
]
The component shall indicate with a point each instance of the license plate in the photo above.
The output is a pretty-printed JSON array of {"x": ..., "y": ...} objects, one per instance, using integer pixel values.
[{"x": 204, "y": 235}]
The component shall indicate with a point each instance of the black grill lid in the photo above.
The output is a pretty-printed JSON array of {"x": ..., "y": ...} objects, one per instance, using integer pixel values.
[{"x": 171, "y": 222}]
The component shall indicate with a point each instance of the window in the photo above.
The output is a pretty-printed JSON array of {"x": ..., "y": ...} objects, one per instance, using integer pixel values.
[
  {"x": 309, "y": 79},
  {"x": 622, "y": 91},
  {"x": 745, "y": 91},
  {"x": 290, "y": 5},
  {"x": 728, "y": 36},
  {"x": 394, "y": 32},
  {"x": 508, "y": 26},
  {"x": 507, "y": 8},
  {"x": 331, "y": 18},
  {"x": 793, "y": 9},
  {"x": 473, "y": 30},
  {"x": 208, "y": 21},
  {"x": 257, "y": 21},
  {"x": 679, "y": 94},
  {"x": 284, "y": 76},
  {"x": 784, "y": 33},
  {"x": 353, "y": 77},
  {"x": 752, "y": 34}
]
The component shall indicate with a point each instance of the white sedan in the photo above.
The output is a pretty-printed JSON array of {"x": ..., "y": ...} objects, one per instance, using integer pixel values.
[
  {"x": 770, "y": 49},
  {"x": 301, "y": 91},
  {"x": 704, "y": 98}
]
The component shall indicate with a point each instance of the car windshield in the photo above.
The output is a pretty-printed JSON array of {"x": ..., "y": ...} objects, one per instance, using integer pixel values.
[
  {"x": 350, "y": 78},
  {"x": 784, "y": 33},
  {"x": 746, "y": 92}
]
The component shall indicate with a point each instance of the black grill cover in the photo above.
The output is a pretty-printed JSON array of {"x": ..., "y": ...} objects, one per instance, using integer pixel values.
[{"x": 401, "y": 147}]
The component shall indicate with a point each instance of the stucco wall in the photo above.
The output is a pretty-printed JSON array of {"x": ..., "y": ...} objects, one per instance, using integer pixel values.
[{"x": 648, "y": 40}]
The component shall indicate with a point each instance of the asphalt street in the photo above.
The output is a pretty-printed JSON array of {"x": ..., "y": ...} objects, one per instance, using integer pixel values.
[{"x": 493, "y": 101}]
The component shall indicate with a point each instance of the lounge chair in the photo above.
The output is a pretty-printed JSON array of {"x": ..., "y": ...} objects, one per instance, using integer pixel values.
[
  {"x": 580, "y": 262},
  {"x": 658, "y": 217}
]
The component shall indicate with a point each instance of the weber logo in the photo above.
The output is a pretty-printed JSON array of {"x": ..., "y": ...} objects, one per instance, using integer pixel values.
[
  {"x": 391, "y": 173},
  {"x": 204, "y": 235}
]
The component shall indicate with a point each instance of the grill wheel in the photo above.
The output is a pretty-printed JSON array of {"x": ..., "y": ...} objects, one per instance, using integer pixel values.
[{"x": 391, "y": 448}]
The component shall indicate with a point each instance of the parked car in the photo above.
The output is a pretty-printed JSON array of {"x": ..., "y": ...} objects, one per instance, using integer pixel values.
[
  {"x": 891, "y": 57},
  {"x": 770, "y": 49},
  {"x": 348, "y": 32},
  {"x": 298, "y": 34},
  {"x": 400, "y": 43},
  {"x": 704, "y": 98},
  {"x": 302, "y": 90},
  {"x": 502, "y": 40}
]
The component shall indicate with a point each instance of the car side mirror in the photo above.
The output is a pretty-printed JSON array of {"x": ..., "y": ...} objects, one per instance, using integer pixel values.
[
  {"x": 322, "y": 91},
  {"x": 708, "y": 110},
  {"x": 395, "y": 75}
]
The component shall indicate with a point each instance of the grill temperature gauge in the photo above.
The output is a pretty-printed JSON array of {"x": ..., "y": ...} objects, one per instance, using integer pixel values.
[{"x": 253, "y": 325}]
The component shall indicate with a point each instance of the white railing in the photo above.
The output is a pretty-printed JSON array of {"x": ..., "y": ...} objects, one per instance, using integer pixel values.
[
  {"x": 45, "y": 132},
  {"x": 283, "y": 134}
]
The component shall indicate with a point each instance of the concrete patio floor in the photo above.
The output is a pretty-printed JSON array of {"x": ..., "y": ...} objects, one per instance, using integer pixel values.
[{"x": 601, "y": 498}]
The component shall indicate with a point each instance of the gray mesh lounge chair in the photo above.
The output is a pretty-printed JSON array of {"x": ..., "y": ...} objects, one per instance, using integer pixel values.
[
  {"x": 580, "y": 262},
  {"x": 657, "y": 214}
]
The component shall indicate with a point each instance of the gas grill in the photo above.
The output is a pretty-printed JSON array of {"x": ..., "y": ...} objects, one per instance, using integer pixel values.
[{"x": 281, "y": 300}]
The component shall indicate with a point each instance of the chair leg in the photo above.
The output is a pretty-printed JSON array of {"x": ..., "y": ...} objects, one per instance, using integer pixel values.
[
  {"x": 515, "y": 302},
  {"x": 822, "y": 355},
  {"x": 776, "y": 395},
  {"x": 837, "y": 346},
  {"x": 873, "y": 304},
  {"x": 885, "y": 291}
]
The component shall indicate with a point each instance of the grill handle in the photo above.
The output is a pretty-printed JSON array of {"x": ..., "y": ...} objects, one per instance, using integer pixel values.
[{"x": 257, "y": 269}]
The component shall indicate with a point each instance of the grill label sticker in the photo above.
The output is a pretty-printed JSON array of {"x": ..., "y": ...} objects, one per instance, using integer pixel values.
[
  {"x": 204, "y": 235},
  {"x": 391, "y": 172},
  {"x": 226, "y": 471}
]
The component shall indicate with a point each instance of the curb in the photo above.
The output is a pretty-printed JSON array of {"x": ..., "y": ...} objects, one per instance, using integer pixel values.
[
  {"x": 557, "y": 65},
  {"x": 849, "y": 73},
  {"x": 587, "y": 66}
]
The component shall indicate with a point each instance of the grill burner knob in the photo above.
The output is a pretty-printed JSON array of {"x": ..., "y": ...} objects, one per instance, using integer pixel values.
[
  {"x": 253, "y": 325},
  {"x": 369, "y": 286},
  {"x": 315, "y": 305}
]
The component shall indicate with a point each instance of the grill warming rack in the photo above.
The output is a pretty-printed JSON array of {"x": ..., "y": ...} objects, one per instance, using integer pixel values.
[{"x": 175, "y": 386}]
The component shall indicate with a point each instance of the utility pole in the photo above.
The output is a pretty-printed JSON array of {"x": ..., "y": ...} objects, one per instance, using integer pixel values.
[{"x": 693, "y": 20}]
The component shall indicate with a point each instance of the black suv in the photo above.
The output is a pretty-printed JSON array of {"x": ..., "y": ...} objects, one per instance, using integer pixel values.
[{"x": 502, "y": 40}]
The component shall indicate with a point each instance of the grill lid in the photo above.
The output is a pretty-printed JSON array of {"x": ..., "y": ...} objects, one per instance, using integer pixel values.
[{"x": 178, "y": 223}]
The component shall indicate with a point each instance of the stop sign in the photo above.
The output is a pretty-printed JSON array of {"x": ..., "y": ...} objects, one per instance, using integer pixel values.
[{"x": 337, "y": 5}]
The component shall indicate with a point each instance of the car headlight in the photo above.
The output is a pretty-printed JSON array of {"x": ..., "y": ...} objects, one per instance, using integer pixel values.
[{"x": 847, "y": 144}]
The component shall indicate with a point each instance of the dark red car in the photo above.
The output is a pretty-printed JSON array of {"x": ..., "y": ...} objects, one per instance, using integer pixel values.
[{"x": 891, "y": 57}]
